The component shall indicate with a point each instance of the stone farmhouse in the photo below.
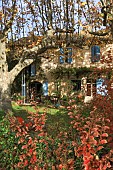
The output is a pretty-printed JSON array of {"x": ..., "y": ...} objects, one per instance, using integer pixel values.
[{"x": 42, "y": 82}]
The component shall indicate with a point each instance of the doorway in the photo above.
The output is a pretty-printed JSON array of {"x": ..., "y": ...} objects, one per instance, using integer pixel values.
[{"x": 35, "y": 91}]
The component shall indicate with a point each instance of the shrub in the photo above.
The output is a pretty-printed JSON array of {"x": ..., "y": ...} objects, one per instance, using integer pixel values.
[
  {"x": 25, "y": 144},
  {"x": 9, "y": 152},
  {"x": 92, "y": 124}
]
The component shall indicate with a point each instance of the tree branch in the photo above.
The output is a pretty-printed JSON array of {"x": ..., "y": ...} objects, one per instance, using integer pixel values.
[
  {"x": 18, "y": 68},
  {"x": 99, "y": 33},
  {"x": 10, "y": 22},
  {"x": 47, "y": 43},
  {"x": 102, "y": 2},
  {"x": 29, "y": 55}
]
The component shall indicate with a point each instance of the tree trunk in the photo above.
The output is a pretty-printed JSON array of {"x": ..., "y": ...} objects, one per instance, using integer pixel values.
[
  {"x": 5, "y": 93},
  {"x": 7, "y": 78},
  {"x": 5, "y": 96}
]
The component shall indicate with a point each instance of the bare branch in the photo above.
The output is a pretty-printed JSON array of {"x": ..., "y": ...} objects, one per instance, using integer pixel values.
[
  {"x": 29, "y": 55},
  {"x": 102, "y": 2},
  {"x": 99, "y": 33},
  {"x": 10, "y": 22}
]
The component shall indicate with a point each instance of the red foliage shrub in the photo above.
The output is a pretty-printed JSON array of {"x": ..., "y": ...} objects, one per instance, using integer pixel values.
[{"x": 93, "y": 137}]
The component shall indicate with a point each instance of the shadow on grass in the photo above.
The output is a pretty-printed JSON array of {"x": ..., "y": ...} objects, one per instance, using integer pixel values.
[
  {"x": 19, "y": 111},
  {"x": 57, "y": 119},
  {"x": 2, "y": 114},
  {"x": 57, "y": 123}
]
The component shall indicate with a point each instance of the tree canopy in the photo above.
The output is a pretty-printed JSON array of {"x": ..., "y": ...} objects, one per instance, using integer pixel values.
[{"x": 65, "y": 19}]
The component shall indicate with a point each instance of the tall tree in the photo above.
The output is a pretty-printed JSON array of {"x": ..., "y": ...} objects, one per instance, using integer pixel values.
[{"x": 29, "y": 27}]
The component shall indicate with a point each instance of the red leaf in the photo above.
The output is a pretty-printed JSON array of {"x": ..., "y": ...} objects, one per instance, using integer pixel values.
[
  {"x": 24, "y": 147},
  {"x": 30, "y": 151},
  {"x": 34, "y": 158},
  {"x": 99, "y": 148},
  {"x": 30, "y": 141},
  {"x": 41, "y": 134},
  {"x": 20, "y": 120},
  {"x": 104, "y": 135},
  {"x": 60, "y": 167},
  {"x": 103, "y": 141},
  {"x": 26, "y": 163}
]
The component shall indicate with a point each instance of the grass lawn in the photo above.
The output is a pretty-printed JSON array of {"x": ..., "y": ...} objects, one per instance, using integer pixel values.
[{"x": 57, "y": 119}]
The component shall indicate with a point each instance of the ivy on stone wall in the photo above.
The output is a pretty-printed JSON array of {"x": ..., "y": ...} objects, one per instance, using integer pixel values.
[{"x": 62, "y": 72}]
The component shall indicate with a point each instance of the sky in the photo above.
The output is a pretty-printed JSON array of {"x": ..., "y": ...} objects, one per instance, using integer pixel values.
[{"x": 29, "y": 26}]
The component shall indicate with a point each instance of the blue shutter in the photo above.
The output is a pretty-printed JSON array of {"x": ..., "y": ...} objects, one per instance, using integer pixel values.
[
  {"x": 95, "y": 53},
  {"x": 33, "y": 69},
  {"x": 69, "y": 54},
  {"x": 23, "y": 90},
  {"x": 23, "y": 83},
  {"x": 45, "y": 88},
  {"x": 61, "y": 51},
  {"x": 69, "y": 51},
  {"x": 69, "y": 60},
  {"x": 61, "y": 59},
  {"x": 101, "y": 87}
]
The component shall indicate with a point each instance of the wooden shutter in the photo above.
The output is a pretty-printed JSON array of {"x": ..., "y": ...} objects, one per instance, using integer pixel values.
[
  {"x": 69, "y": 55},
  {"x": 69, "y": 60},
  {"x": 61, "y": 59},
  {"x": 33, "y": 69},
  {"x": 95, "y": 53},
  {"x": 45, "y": 88}
]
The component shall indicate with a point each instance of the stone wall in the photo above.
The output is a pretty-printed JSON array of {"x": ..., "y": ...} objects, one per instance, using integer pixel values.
[{"x": 81, "y": 58}]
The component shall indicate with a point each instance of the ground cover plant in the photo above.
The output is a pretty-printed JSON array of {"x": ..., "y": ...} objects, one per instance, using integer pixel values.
[
  {"x": 77, "y": 136},
  {"x": 74, "y": 138}
]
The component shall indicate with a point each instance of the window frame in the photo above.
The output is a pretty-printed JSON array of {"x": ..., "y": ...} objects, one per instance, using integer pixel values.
[{"x": 65, "y": 58}]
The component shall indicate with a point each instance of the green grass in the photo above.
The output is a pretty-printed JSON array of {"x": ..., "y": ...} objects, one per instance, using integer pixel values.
[
  {"x": 41, "y": 109},
  {"x": 57, "y": 123},
  {"x": 57, "y": 119},
  {"x": 2, "y": 113}
]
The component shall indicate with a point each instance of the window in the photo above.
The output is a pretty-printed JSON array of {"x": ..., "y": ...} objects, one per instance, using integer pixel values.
[
  {"x": 23, "y": 83},
  {"x": 95, "y": 53},
  {"x": 91, "y": 87},
  {"x": 33, "y": 69},
  {"x": 101, "y": 87},
  {"x": 45, "y": 88},
  {"x": 66, "y": 55},
  {"x": 76, "y": 85}
]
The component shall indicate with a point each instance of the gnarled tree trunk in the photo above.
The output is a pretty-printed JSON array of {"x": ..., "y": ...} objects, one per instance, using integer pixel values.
[
  {"x": 7, "y": 78},
  {"x": 25, "y": 59},
  {"x": 5, "y": 93}
]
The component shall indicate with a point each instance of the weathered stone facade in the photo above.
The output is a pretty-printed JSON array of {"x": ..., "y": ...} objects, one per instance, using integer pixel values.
[{"x": 80, "y": 58}]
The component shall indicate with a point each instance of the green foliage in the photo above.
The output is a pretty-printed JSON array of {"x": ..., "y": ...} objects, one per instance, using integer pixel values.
[
  {"x": 60, "y": 72},
  {"x": 8, "y": 149},
  {"x": 73, "y": 137},
  {"x": 92, "y": 145}
]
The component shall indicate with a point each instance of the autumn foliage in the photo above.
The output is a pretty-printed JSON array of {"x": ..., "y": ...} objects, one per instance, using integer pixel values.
[
  {"x": 87, "y": 145},
  {"x": 84, "y": 146}
]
